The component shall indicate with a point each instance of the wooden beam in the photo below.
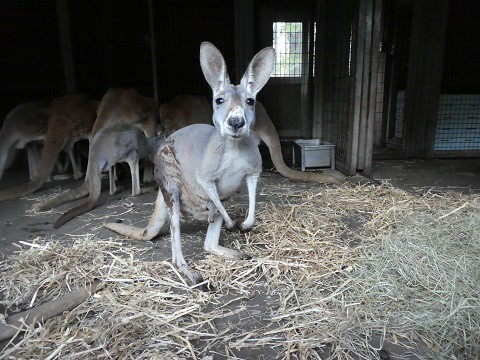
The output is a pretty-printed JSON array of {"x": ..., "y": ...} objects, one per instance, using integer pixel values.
[
  {"x": 424, "y": 76},
  {"x": 243, "y": 36},
  {"x": 153, "y": 50},
  {"x": 358, "y": 33},
  {"x": 366, "y": 22},
  {"x": 372, "y": 101},
  {"x": 319, "y": 87},
  {"x": 66, "y": 45}
]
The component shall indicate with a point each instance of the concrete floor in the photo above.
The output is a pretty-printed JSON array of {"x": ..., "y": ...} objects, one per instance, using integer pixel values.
[
  {"x": 461, "y": 175},
  {"x": 17, "y": 224}
]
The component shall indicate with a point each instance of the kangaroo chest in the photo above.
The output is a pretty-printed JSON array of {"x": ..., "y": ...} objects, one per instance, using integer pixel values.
[
  {"x": 231, "y": 172},
  {"x": 185, "y": 167}
]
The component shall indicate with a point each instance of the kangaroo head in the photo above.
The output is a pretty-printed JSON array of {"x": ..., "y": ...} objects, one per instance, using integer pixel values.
[
  {"x": 149, "y": 117},
  {"x": 234, "y": 105}
]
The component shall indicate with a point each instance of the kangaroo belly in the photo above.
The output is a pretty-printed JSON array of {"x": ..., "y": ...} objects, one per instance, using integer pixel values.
[
  {"x": 197, "y": 155},
  {"x": 228, "y": 185}
]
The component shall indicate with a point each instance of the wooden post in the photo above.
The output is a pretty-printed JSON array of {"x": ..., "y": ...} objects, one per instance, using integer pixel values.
[
  {"x": 372, "y": 100},
  {"x": 357, "y": 66},
  {"x": 319, "y": 87},
  {"x": 153, "y": 49},
  {"x": 425, "y": 76},
  {"x": 362, "y": 125},
  {"x": 243, "y": 36},
  {"x": 366, "y": 26},
  {"x": 66, "y": 45}
]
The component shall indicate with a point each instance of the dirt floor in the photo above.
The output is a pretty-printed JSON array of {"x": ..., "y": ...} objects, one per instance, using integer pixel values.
[
  {"x": 461, "y": 175},
  {"x": 19, "y": 223}
]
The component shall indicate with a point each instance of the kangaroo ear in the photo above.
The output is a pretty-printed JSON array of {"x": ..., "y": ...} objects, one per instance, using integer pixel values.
[
  {"x": 213, "y": 67},
  {"x": 259, "y": 70}
]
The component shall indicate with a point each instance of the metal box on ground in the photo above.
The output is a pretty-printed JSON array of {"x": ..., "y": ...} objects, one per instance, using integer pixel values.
[{"x": 313, "y": 153}]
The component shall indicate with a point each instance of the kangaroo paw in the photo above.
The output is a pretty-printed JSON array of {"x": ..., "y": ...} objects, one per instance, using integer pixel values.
[
  {"x": 245, "y": 227},
  {"x": 231, "y": 226}
]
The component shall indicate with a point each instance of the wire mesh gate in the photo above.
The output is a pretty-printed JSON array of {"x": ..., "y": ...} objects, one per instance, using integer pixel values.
[
  {"x": 348, "y": 66},
  {"x": 337, "y": 75}
]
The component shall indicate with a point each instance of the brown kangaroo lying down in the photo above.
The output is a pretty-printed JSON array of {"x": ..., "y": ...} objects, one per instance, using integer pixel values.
[
  {"x": 200, "y": 165},
  {"x": 23, "y": 124},
  {"x": 71, "y": 119},
  {"x": 185, "y": 110},
  {"x": 112, "y": 144}
]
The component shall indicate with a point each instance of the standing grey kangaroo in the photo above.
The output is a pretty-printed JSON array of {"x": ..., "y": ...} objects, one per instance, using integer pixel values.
[
  {"x": 200, "y": 165},
  {"x": 112, "y": 144},
  {"x": 129, "y": 107},
  {"x": 71, "y": 119},
  {"x": 186, "y": 110}
]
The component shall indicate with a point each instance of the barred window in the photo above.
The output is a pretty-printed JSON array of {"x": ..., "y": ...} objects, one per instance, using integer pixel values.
[{"x": 287, "y": 41}]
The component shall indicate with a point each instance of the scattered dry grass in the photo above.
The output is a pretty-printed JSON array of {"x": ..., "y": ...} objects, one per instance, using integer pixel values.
[{"x": 346, "y": 268}]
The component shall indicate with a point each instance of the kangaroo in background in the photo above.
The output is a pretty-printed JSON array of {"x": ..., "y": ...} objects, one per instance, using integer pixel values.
[
  {"x": 23, "y": 124},
  {"x": 185, "y": 110},
  {"x": 71, "y": 119},
  {"x": 129, "y": 107},
  {"x": 112, "y": 144},
  {"x": 200, "y": 165}
]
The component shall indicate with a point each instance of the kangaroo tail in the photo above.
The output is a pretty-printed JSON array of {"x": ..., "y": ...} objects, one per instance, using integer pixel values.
[
  {"x": 69, "y": 196},
  {"x": 51, "y": 150},
  {"x": 267, "y": 132},
  {"x": 94, "y": 189},
  {"x": 158, "y": 218}
]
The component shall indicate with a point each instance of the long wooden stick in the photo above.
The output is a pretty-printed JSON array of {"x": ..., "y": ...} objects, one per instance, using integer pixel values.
[{"x": 46, "y": 311}]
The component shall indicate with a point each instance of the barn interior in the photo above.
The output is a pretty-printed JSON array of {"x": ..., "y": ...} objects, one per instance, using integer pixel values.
[
  {"x": 392, "y": 84},
  {"x": 378, "y": 79}
]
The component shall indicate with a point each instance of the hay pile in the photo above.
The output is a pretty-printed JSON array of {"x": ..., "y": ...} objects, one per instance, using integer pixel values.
[
  {"x": 408, "y": 273},
  {"x": 345, "y": 268},
  {"x": 145, "y": 309}
]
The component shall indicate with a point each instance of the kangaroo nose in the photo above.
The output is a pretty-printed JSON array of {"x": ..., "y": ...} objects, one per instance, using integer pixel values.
[{"x": 236, "y": 122}]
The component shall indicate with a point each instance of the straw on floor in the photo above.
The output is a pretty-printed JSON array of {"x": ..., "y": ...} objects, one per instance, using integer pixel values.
[{"x": 346, "y": 268}]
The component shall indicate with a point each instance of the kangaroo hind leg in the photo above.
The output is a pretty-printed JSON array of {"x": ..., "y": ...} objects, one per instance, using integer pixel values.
[
  {"x": 135, "y": 171},
  {"x": 177, "y": 254},
  {"x": 212, "y": 238},
  {"x": 111, "y": 180},
  {"x": 252, "y": 181}
]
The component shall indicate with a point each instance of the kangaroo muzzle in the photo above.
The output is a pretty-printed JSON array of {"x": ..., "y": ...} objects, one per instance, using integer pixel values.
[{"x": 236, "y": 122}]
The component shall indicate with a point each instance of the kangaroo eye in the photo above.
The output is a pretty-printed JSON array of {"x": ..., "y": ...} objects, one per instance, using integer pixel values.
[
  {"x": 250, "y": 101},
  {"x": 219, "y": 101}
]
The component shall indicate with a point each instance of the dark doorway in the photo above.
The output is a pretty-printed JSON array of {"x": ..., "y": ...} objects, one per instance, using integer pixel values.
[{"x": 290, "y": 28}]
